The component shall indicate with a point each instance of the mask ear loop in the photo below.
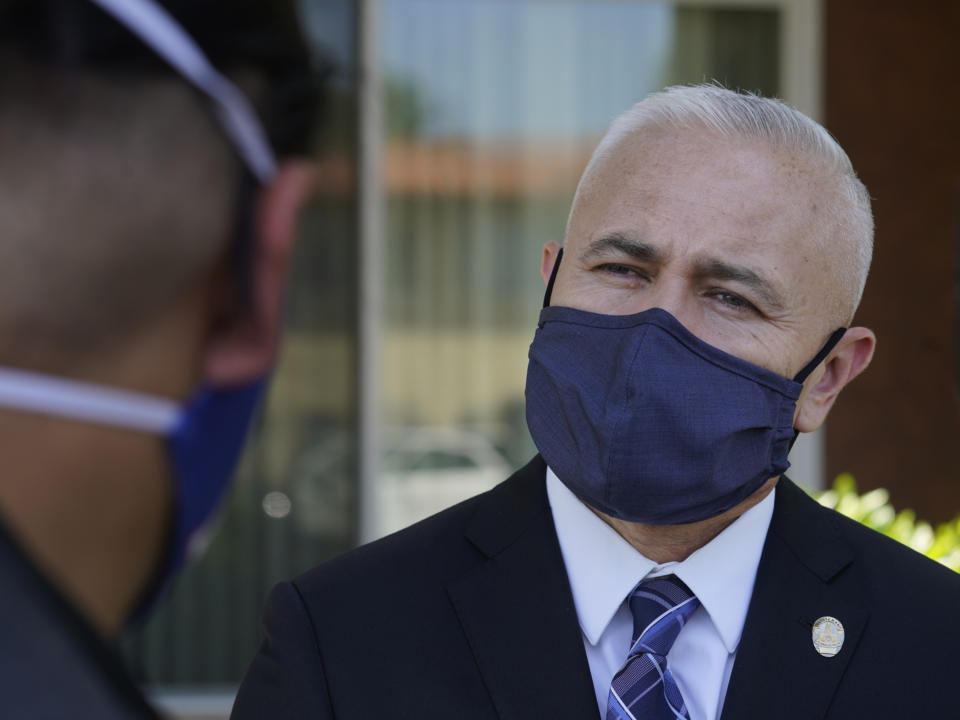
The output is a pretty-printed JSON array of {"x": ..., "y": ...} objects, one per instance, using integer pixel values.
[
  {"x": 159, "y": 31},
  {"x": 244, "y": 242},
  {"x": 553, "y": 279},
  {"x": 812, "y": 365},
  {"x": 820, "y": 356}
]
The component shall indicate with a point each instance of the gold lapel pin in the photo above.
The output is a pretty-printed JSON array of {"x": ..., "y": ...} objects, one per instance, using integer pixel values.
[{"x": 828, "y": 636}]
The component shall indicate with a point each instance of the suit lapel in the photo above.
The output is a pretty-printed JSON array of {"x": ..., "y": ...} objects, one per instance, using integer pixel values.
[
  {"x": 806, "y": 572},
  {"x": 517, "y": 610}
]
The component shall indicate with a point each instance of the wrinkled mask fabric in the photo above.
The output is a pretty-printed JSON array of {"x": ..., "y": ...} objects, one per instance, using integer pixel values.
[{"x": 647, "y": 423}]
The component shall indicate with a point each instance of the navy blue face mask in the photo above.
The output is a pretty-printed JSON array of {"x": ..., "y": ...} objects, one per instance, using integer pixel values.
[{"x": 647, "y": 423}]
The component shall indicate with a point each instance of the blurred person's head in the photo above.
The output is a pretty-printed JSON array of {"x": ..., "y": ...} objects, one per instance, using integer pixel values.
[{"x": 146, "y": 233}]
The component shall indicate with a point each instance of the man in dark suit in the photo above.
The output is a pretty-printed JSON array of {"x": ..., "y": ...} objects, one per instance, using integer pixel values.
[
  {"x": 147, "y": 224},
  {"x": 653, "y": 561}
]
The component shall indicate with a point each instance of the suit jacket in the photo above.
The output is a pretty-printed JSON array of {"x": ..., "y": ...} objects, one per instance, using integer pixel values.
[
  {"x": 52, "y": 663},
  {"x": 469, "y": 615}
]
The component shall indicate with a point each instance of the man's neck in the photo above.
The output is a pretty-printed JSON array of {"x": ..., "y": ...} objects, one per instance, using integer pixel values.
[
  {"x": 674, "y": 543},
  {"x": 83, "y": 502}
]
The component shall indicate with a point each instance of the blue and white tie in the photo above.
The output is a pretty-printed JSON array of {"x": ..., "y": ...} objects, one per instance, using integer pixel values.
[{"x": 644, "y": 688}]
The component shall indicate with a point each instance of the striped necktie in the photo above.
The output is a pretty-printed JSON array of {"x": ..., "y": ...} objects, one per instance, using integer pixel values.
[{"x": 644, "y": 688}]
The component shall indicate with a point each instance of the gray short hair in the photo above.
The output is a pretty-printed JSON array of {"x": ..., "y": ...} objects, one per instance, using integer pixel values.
[{"x": 746, "y": 116}]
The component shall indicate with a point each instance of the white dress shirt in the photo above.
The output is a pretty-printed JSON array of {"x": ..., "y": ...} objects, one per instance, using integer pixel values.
[{"x": 603, "y": 568}]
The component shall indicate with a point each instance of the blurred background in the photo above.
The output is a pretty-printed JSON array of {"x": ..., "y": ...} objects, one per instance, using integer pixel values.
[{"x": 455, "y": 135}]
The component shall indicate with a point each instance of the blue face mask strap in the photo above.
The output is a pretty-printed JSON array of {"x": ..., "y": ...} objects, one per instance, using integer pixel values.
[
  {"x": 553, "y": 279},
  {"x": 208, "y": 437},
  {"x": 159, "y": 31},
  {"x": 820, "y": 356},
  {"x": 812, "y": 365}
]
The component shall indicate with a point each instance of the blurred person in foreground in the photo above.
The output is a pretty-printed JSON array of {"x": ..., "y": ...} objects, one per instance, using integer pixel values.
[
  {"x": 653, "y": 562},
  {"x": 147, "y": 212}
]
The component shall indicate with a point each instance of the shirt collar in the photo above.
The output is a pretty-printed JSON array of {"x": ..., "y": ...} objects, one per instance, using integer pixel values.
[{"x": 603, "y": 567}]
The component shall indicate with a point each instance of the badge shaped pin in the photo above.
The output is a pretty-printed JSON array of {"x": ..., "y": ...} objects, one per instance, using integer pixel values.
[{"x": 828, "y": 636}]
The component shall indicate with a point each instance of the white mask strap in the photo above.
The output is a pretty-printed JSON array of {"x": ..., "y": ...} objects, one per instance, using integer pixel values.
[
  {"x": 75, "y": 400},
  {"x": 160, "y": 31}
]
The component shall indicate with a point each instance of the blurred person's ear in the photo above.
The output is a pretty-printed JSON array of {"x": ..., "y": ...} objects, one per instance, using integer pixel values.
[{"x": 245, "y": 348}]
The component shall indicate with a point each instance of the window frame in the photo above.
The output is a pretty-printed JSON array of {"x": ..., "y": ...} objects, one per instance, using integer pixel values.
[{"x": 801, "y": 63}]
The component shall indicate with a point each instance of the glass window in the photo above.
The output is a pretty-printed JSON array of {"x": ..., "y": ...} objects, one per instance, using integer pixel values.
[{"x": 492, "y": 108}]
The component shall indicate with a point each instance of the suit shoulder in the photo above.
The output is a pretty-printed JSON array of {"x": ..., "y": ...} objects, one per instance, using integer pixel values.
[
  {"x": 827, "y": 538},
  {"x": 427, "y": 548},
  {"x": 423, "y": 557},
  {"x": 895, "y": 563}
]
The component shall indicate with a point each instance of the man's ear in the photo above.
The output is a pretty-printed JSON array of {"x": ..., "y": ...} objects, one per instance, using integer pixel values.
[
  {"x": 847, "y": 360},
  {"x": 246, "y": 347},
  {"x": 548, "y": 260}
]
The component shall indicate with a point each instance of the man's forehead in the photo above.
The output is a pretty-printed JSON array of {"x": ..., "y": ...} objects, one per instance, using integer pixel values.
[
  {"x": 738, "y": 195},
  {"x": 722, "y": 166},
  {"x": 722, "y": 226},
  {"x": 719, "y": 210}
]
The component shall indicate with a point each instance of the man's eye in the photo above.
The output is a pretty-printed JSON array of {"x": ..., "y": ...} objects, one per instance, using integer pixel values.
[
  {"x": 617, "y": 269},
  {"x": 734, "y": 301}
]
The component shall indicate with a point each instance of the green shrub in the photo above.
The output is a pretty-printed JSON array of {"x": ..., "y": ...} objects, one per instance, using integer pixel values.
[{"x": 873, "y": 509}]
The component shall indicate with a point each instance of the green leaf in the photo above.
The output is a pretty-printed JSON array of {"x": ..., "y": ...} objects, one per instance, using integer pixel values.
[{"x": 873, "y": 509}]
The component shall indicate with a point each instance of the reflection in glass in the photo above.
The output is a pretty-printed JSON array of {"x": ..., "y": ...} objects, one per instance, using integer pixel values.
[{"x": 492, "y": 110}]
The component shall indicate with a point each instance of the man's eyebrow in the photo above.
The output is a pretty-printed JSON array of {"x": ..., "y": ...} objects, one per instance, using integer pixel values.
[
  {"x": 720, "y": 270},
  {"x": 636, "y": 249}
]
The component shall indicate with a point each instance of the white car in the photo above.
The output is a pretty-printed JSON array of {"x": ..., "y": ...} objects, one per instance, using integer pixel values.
[{"x": 428, "y": 469}]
